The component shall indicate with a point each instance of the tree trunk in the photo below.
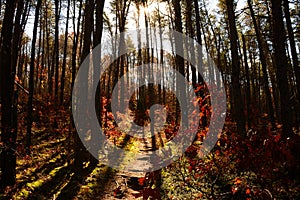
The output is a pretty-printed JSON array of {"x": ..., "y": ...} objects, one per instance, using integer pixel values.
[
  {"x": 63, "y": 73},
  {"x": 292, "y": 45},
  {"x": 50, "y": 66},
  {"x": 181, "y": 91},
  {"x": 199, "y": 40},
  {"x": 38, "y": 66},
  {"x": 190, "y": 32},
  {"x": 294, "y": 55},
  {"x": 97, "y": 41},
  {"x": 262, "y": 56},
  {"x": 248, "y": 92},
  {"x": 81, "y": 155},
  {"x": 99, "y": 22},
  {"x": 75, "y": 42},
  {"x": 8, "y": 137},
  {"x": 55, "y": 60},
  {"x": 17, "y": 36},
  {"x": 31, "y": 78},
  {"x": 237, "y": 98},
  {"x": 279, "y": 39}
]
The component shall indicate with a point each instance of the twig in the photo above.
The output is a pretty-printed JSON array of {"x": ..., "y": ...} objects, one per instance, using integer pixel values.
[{"x": 27, "y": 92}]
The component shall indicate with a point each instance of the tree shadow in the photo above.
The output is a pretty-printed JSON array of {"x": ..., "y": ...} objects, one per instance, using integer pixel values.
[
  {"x": 74, "y": 184},
  {"x": 47, "y": 189}
]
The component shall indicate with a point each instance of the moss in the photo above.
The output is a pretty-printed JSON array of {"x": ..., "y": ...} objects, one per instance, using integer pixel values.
[
  {"x": 54, "y": 171},
  {"x": 23, "y": 194},
  {"x": 35, "y": 184}
]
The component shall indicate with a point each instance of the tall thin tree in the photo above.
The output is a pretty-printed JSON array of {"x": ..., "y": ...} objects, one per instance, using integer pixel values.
[
  {"x": 63, "y": 73},
  {"x": 31, "y": 77},
  {"x": 238, "y": 102},
  {"x": 281, "y": 63},
  {"x": 262, "y": 56},
  {"x": 8, "y": 136}
]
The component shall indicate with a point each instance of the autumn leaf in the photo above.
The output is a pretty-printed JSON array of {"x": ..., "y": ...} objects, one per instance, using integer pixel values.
[
  {"x": 277, "y": 137},
  {"x": 237, "y": 181},
  {"x": 142, "y": 181},
  {"x": 118, "y": 192},
  {"x": 248, "y": 191}
]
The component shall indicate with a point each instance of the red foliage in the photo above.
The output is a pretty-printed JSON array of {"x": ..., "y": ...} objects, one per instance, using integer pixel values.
[{"x": 142, "y": 181}]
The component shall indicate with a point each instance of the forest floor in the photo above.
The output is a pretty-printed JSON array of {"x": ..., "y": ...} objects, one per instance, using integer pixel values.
[
  {"x": 49, "y": 173},
  {"x": 46, "y": 174}
]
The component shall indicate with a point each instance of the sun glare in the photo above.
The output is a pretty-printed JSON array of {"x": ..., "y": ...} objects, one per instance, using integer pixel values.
[{"x": 150, "y": 8}]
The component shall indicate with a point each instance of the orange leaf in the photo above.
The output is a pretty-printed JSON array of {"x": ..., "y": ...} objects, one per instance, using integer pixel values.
[
  {"x": 248, "y": 191},
  {"x": 237, "y": 181}
]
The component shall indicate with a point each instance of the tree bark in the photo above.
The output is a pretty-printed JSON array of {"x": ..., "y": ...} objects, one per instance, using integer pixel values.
[
  {"x": 8, "y": 136},
  {"x": 55, "y": 60},
  {"x": 181, "y": 91},
  {"x": 31, "y": 78},
  {"x": 199, "y": 40},
  {"x": 99, "y": 22},
  {"x": 237, "y": 98},
  {"x": 292, "y": 45},
  {"x": 97, "y": 41},
  {"x": 81, "y": 154},
  {"x": 75, "y": 41},
  {"x": 63, "y": 73},
  {"x": 279, "y": 39},
  {"x": 262, "y": 56}
]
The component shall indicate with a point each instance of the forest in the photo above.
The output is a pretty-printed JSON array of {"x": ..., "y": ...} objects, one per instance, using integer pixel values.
[{"x": 150, "y": 99}]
